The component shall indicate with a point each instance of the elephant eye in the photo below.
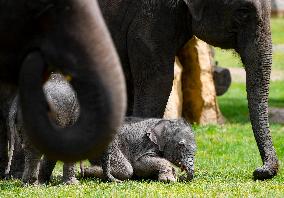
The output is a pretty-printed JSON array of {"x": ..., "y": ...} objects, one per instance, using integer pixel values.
[
  {"x": 242, "y": 15},
  {"x": 182, "y": 142}
]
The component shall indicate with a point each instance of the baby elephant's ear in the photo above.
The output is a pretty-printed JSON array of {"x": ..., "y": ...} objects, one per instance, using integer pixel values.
[{"x": 155, "y": 133}]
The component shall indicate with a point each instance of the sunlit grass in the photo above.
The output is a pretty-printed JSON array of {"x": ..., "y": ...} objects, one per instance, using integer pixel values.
[{"x": 277, "y": 29}]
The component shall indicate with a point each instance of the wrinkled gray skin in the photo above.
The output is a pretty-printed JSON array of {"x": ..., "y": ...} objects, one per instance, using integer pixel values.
[
  {"x": 64, "y": 109},
  {"x": 6, "y": 96},
  {"x": 149, "y": 33},
  {"x": 70, "y": 36},
  {"x": 147, "y": 148}
]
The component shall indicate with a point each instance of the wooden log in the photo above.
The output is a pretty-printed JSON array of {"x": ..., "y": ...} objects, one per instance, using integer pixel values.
[
  {"x": 175, "y": 102},
  {"x": 199, "y": 95}
]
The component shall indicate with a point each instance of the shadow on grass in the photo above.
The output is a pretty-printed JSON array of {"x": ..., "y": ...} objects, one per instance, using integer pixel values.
[
  {"x": 234, "y": 110},
  {"x": 233, "y": 104}
]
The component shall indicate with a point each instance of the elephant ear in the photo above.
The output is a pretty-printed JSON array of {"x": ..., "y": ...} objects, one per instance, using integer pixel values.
[
  {"x": 156, "y": 133},
  {"x": 196, "y": 8}
]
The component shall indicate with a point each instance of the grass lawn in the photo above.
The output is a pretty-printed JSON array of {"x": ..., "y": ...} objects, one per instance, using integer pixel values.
[{"x": 277, "y": 28}]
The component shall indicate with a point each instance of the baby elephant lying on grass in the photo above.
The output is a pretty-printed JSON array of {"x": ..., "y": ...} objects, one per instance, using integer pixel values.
[
  {"x": 64, "y": 109},
  {"x": 147, "y": 148}
]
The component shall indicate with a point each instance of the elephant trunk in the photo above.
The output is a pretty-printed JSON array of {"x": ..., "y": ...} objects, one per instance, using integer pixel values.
[
  {"x": 87, "y": 57},
  {"x": 187, "y": 165},
  {"x": 257, "y": 58}
]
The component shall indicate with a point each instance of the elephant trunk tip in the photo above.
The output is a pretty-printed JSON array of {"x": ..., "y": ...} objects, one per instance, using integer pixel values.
[{"x": 189, "y": 171}]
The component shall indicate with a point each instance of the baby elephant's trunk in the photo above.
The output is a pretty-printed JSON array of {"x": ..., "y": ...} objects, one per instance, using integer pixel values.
[{"x": 187, "y": 164}]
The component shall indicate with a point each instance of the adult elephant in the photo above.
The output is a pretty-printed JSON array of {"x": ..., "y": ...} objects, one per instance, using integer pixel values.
[
  {"x": 70, "y": 36},
  {"x": 148, "y": 34}
]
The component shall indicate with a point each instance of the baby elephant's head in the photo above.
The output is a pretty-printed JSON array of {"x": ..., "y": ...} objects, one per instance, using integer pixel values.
[{"x": 176, "y": 142}]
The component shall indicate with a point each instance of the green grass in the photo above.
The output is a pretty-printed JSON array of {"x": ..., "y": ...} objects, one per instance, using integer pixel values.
[
  {"x": 234, "y": 104},
  {"x": 227, "y": 58},
  {"x": 277, "y": 29},
  {"x": 278, "y": 60},
  {"x": 226, "y": 157}
]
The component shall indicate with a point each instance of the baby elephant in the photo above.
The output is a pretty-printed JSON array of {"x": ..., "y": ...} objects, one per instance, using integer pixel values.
[
  {"x": 147, "y": 148},
  {"x": 64, "y": 109}
]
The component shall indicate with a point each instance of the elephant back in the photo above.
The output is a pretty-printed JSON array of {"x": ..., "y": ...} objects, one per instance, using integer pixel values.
[{"x": 62, "y": 100}]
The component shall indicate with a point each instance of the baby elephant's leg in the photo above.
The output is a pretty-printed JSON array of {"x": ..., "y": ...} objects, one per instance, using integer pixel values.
[
  {"x": 45, "y": 170},
  {"x": 17, "y": 161},
  {"x": 69, "y": 170},
  {"x": 32, "y": 160},
  {"x": 93, "y": 171},
  {"x": 120, "y": 167},
  {"x": 148, "y": 166}
]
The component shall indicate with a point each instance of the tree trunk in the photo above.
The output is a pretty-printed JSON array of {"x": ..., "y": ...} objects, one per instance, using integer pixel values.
[
  {"x": 175, "y": 102},
  {"x": 195, "y": 90}
]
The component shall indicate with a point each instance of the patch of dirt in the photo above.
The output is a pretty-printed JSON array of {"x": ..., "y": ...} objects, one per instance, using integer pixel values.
[
  {"x": 279, "y": 47},
  {"x": 276, "y": 115},
  {"x": 239, "y": 74}
]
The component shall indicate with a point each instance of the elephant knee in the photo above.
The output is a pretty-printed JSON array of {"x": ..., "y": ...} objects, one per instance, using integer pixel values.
[
  {"x": 125, "y": 173},
  {"x": 129, "y": 172}
]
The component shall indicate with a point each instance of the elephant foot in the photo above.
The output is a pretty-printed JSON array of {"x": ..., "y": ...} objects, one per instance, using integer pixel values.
[
  {"x": 111, "y": 178},
  {"x": 32, "y": 182},
  {"x": 167, "y": 176},
  {"x": 71, "y": 181},
  {"x": 3, "y": 174},
  {"x": 265, "y": 172},
  {"x": 43, "y": 180},
  {"x": 16, "y": 175},
  {"x": 30, "y": 179}
]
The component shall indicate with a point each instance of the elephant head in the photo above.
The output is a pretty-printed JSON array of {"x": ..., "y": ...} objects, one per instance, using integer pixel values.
[
  {"x": 69, "y": 36},
  {"x": 176, "y": 142},
  {"x": 243, "y": 25}
]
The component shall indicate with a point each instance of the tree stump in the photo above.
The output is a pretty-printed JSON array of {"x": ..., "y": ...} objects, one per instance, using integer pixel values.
[
  {"x": 175, "y": 102},
  {"x": 196, "y": 91}
]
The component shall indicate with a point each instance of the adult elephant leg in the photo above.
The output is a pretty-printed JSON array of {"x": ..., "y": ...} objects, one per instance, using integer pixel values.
[
  {"x": 32, "y": 161},
  {"x": 79, "y": 45},
  {"x": 18, "y": 160},
  {"x": 6, "y": 93},
  {"x": 3, "y": 147},
  {"x": 45, "y": 170},
  {"x": 152, "y": 78},
  {"x": 69, "y": 173},
  {"x": 151, "y": 94}
]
